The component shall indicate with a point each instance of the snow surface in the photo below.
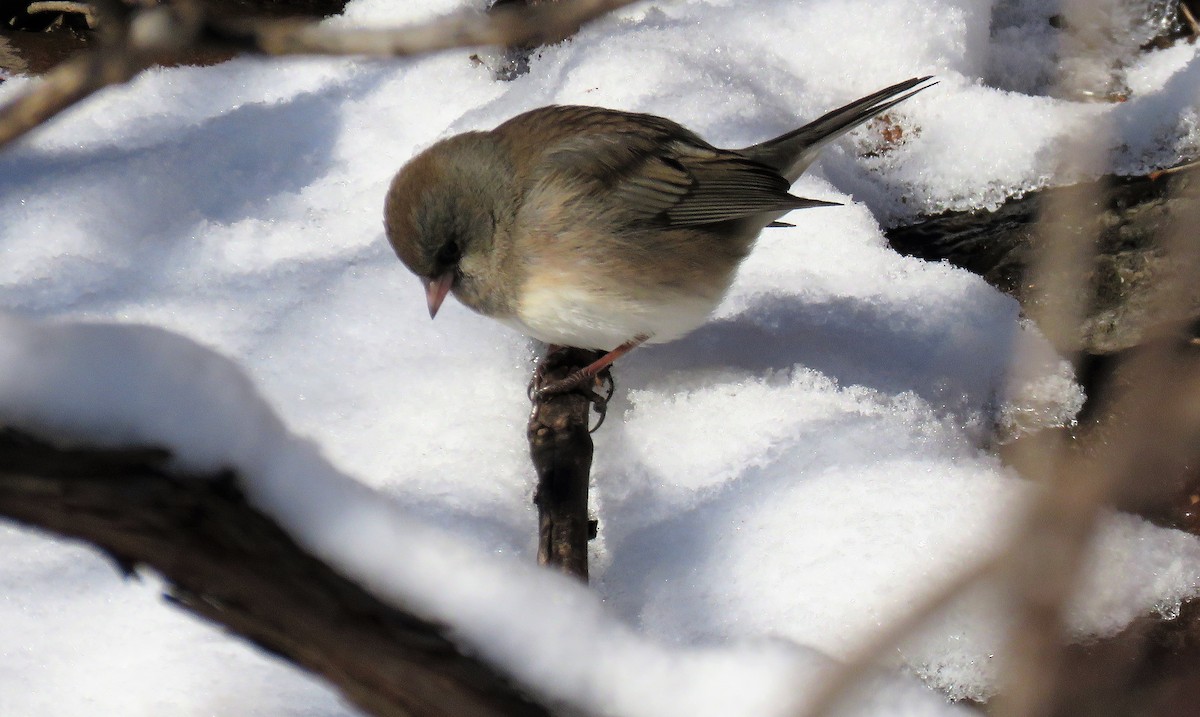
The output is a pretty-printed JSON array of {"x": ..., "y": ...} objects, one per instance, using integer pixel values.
[{"x": 771, "y": 488}]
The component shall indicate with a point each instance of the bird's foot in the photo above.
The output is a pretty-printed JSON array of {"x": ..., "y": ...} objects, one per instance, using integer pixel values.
[
  {"x": 584, "y": 381},
  {"x": 600, "y": 403},
  {"x": 585, "y": 385},
  {"x": 573, "y": 380}
]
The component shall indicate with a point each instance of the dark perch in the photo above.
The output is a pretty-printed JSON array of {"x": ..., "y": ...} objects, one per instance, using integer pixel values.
[{"x": 561, "y": 448}]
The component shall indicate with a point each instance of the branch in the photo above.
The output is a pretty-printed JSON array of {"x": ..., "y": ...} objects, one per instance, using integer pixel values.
[
  {"x": 165, "y": 34},
  {"x": 561, "y": 448},
  {"x": 505, "y": 27},
  {"x": 838, "y": 685},
  {"x": 65, "y": 6},
  {"x": 229, "y": 563}
]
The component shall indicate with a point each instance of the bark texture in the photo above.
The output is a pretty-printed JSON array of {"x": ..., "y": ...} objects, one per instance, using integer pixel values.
[
  {"x": 561, "y": 448},
  {"x": 231, "y": 564}
]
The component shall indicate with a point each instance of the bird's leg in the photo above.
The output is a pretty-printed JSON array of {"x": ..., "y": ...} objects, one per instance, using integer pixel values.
[
  {"x": 575, "y": 378},
  {"x": 539, "y": 371},
  {"x": 595, "y": 395}
]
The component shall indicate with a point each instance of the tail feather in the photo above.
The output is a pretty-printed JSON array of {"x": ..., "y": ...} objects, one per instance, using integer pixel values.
[{"x": 793, "y": 152}]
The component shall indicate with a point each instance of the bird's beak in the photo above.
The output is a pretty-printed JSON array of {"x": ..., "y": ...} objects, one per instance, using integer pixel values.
[{"x": 436, "y": 290}]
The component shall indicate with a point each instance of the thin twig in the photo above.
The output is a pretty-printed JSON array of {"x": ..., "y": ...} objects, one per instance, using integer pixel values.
[
  {"x": 1189, "y": 18},
  {"x": 837, "y": 687},
  {"x": 1186, "y": 166},
  {"x": 1147, "y": 417},
  {"x": 1046, "y": 556},
  {"x": 68, "y": 83},
  {"x": 1153, "y": 422}
]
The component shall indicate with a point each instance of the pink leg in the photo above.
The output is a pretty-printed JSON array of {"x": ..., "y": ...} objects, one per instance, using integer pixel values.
[{"x": 591, "y": 370}]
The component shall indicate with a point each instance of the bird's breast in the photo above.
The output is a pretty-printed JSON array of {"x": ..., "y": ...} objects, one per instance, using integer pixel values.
[
  {"x": 590, "y": 280},
  {"x": 559, "y": 310}
]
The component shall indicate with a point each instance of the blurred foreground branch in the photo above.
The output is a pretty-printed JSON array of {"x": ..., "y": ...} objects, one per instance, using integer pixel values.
[
  {"x": 164, "y": 34},
  {"x": 1145, "y": 436},
  {"x": 229, "y": 563},
  {"x": 1142, "y": 443},
  {"x": 1137, "y": 450}
]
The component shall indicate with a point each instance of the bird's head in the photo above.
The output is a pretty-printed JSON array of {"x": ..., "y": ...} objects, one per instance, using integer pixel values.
[{"x": 446, "y": 215}]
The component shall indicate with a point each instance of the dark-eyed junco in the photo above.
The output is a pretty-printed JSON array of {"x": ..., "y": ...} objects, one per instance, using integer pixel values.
[{"x": 595, "y": 228}]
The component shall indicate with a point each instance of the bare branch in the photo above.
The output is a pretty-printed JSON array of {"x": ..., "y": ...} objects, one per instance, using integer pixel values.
[
  {"x": 68, "y": 83},
  {"x": 838, "y": 686},
  {"x": 65, "y": 6},
  {"x": 163, "y": 34},
  {"x": 561, "y": 449},
  {"x": 229, "y": 563},
  {"x": 1149, "y": 420},
  {"x": 533, "y": 25}
]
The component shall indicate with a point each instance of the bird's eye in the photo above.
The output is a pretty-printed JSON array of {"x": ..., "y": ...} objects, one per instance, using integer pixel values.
[{"x": 449, "y": 254}]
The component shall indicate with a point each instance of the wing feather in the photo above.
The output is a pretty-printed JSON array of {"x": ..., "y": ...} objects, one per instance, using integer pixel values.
[{"x": 658, "y": 171}]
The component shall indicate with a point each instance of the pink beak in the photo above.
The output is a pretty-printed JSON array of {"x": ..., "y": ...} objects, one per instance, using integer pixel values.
[{"x": 436, "y": 290}]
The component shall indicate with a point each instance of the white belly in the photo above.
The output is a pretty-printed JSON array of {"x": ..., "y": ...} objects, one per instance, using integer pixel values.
[{"x": 574, "y": 314}]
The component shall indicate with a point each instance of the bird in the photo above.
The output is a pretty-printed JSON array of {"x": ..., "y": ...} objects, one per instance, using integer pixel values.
[{"x": 598, "y": 228}]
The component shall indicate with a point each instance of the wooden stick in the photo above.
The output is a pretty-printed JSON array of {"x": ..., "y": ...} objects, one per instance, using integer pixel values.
[{"x": 561, "y": 448}]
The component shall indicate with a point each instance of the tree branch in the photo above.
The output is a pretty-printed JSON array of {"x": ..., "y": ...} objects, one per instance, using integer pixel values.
[
  {"x": 507, "y": 26},
  {"x": 561, "y": 448},
  {"x": 165, "y": 34},
  {"x": 231, "y": 564}
]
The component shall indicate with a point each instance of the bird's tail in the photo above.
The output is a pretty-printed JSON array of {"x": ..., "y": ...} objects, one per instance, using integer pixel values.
[{"x": 791, "y": 153}]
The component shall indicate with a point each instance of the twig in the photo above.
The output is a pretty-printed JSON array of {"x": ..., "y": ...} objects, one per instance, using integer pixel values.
[
  {"x": 1186, "y": 166},
  {"x": 1045, "y": 558},
  {"x": 1189, "y": 18},
  {"x": 1150, "y": 420},
  {"x": 226, "y": 562},
  {"x": 1152, "y": 423},
  {"x": 154, "y": 35},
  {"x": 561, "y": 448},
  {"x": 68, "y": 83},
  {"x": 838, "y": 685}
]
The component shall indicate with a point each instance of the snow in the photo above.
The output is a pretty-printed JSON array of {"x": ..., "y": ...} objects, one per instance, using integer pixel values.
[{"x": 196, "y": 260}]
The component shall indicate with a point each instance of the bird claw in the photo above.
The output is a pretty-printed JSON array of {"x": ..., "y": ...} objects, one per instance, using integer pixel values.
[
  {"x": 600, "y": 403},
  {"x": 575, "y": 381},
  {"x": 535, "y": 390}
]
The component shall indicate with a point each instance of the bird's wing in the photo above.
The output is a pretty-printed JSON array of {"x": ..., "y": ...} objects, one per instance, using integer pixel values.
[
  {"x": 660, "y": 172},
  {"x": 708, "y": 186}
]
